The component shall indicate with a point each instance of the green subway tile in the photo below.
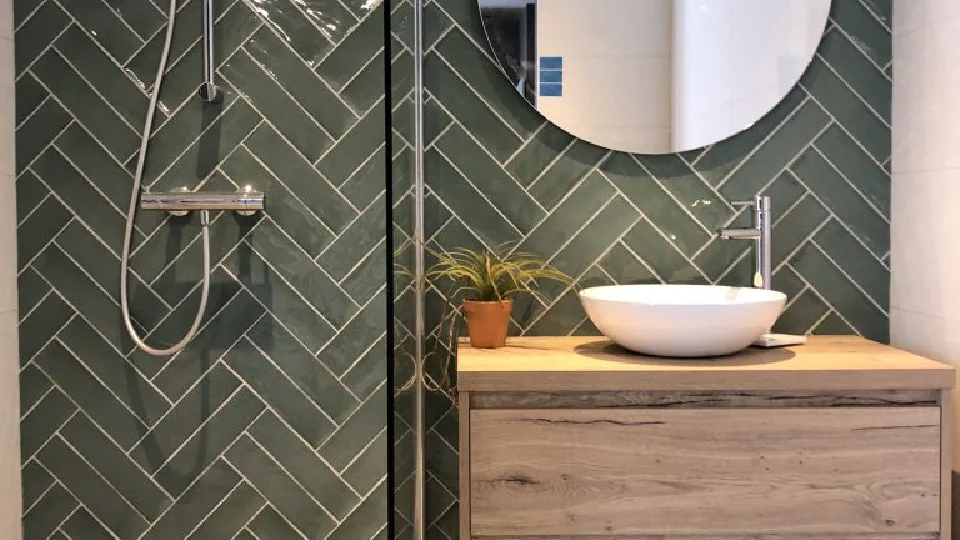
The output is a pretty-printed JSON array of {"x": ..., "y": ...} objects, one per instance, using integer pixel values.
[
  {"x": 836, "y": 289},
  {"x": 864, "y": 29},
  {"x": 104, "y": 268},
  {"x": 272, "y": 101},
  {"x": 196, "y": 503},
  {"x": 578, "y": 161},
  {"x": 802, "y": 314},
  {"x": 106, "y": 77},
  {"x": 368, "y": 372},
  {"x": 37, "y": 32},
  {"x": 777, "y": 152},
  {"x": 784, "y": 192},
  {"x": 143, "y": 65},
  {"x": 209, "y": 441},
  {"x": 435, "y": 121},
  {"x": 23, "y": 9},
  {"x": 301, "y": 178},
  {"x": 30, "y": 193},
  {"x": 278, "y": 297},
  {"x": 88, "y": 108},
  {"x": 856, "y": 261},
  {"x": 29, "y": 95},
  {"x": 289, "y": 212},
  {"x": 44, "y": 518},
  {"x": 364, "y": 42},
  {"x": 113, "y": 464},
  {"x": 870, "y": 179},
  {"x": 833, "y": 325},
  {"x": 355, "y": 243},
  {"x": 367, "y": 519},
  {"x": 279, "y": 392},
  {"x": 401, "y": 80},
  {"x": 91, "y": 396},
  {"x": 837, "y": 98},
  {"x": 837, "y": 195},
  {"x": 625, "y": 268},
  {"x": 195, "y": 408},
  {"x": 561, "y": 319},
  {"x": 495, "y": 185},
  {"x": 465, "y": 15},
  {"x": 36, "y": 480},
  {"x": 33, "y": 386},
  {"x": 113, "y": 371},
  {"x": 95, "y": 163},
  {"x": 882, "y": 9},
  {"x": 303, "y": 274},
  {"x": 638, "y": 186},
  {"x": 489, "y": 81},
  {"x": 216, "y": 338},
  {"x": 663, "y": 258},
  {"x": 299, "y": 460},
  {"x": 717, "y": 162},
  {"x": 286, "y": 496},
  {"x": 368, "y": 470},
  {"x": 270, "y": 524},
  {"x": 41, "y": 324},
  {"x": 31, "y": 289},
  {"x": 82, "y": 293},
  {"x": 368, "y": 277},
  {"x": 555, "y": 230},
  {"x": 794, "y": 228},
  {"x": 43, "y": 421},
  {"x": 368, "y": 181},
  {"x": 288, "y": 21},
  {"x": 691, "y": 192},
  {"x": 538, "y": 153},
  {"x": 355, "y": 337},
  {"x": 443, "y": 460},
  {"x": 83, "y": 525},
  {"x": 858, "y": 72},
  {"x": 199, "y": 160},
  {"x": 469, "y": 109},
  {"x": 436, "y": 22},
  {"x": 39, "y": 131},
  {"x": 143, "y": 17},
  {"x": 299, "y": 81},
  {"x": 82, "y": 197},
  {"x": 357, "y": 145},
  {"x": 97, "y": 496},
  {"x": 786, "y": 281},
  {"x": 361, "y": 428},
  {"x": 102, "y": 22},
  {"x": 232, "y": 514}
]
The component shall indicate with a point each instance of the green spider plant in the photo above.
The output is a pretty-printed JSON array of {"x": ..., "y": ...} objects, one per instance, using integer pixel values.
[{"x": 493, "y": 275}]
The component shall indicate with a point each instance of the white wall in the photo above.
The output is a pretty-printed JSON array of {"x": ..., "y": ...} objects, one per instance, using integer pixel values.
[
  {"x": 630, "y": 39},
  {"x": 734, "y": 61},
  {"x": 9, "y": 351},
  {"x": 925, "y": 223}
]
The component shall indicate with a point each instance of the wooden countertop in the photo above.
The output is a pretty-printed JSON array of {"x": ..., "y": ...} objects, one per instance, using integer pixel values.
[{"x": 596, "y": 364}]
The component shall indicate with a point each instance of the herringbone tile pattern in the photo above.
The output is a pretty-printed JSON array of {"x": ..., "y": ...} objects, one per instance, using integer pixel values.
[
  {"x": 271, "y": 425},
  {"x": 497, "y": 172}
]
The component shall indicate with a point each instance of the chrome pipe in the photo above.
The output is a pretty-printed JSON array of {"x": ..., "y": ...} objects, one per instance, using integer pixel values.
[
  {"x": 209, "y": 91},
  {"x": 761, "y": 234},
  {"x": 188, "y": 201},
  {"x": 420, "y": 282}
]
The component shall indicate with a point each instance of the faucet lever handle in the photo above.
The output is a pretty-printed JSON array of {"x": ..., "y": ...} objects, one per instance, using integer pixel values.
[{"x": 743, "y": 203}]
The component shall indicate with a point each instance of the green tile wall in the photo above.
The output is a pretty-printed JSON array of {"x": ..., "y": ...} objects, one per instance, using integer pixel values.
[
  {"x": 271, "y": 425},
  {"x": 496, "y": 172}
]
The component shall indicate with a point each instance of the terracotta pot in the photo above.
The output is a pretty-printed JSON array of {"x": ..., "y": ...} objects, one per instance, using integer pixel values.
[{"x": 488, "y": 322}]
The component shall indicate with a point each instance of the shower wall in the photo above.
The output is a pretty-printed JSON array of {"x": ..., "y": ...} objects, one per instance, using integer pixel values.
[
  {"x": 497, "y": 172},
  {"x": 272, "y": 424}
]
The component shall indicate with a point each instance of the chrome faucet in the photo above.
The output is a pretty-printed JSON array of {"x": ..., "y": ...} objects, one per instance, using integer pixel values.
[{"x": 760, "y": 234}]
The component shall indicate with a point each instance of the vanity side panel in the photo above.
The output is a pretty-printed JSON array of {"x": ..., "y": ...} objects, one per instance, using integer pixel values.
[
  {"x": 464, "y": 403},
  {"x": 560, "y": 473},
  {"x": 946, "y": 464}
]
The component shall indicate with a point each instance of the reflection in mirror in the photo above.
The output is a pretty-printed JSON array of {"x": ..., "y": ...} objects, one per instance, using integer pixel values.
[{"x": 654, "y": 76}]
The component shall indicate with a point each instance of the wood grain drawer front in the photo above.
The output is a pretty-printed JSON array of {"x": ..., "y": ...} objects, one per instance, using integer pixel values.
[{"x": 722, "y": 471}]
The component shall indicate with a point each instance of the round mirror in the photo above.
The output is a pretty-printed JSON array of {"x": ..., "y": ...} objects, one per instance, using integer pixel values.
[{"x": 654, "y": 76}]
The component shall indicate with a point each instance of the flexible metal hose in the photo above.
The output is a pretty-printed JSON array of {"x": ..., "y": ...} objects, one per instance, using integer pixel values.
[{"x": 132, "y": 214}]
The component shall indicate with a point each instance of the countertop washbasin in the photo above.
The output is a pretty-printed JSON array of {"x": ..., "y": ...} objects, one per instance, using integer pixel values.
[{"x": 685, "y": 321}]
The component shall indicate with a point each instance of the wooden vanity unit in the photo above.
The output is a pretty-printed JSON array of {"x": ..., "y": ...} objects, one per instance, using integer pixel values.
[{"x": 572, "y": 437}]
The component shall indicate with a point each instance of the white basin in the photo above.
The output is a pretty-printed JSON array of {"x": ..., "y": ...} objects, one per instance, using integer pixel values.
[{"x": 682, "y": 320}]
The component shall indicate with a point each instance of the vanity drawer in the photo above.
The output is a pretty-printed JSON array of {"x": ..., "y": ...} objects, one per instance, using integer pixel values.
[{"x": 578, "y": 472}]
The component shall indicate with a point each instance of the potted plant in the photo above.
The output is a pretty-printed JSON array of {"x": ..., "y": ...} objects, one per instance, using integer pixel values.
[{"x": 490, "y": 279}]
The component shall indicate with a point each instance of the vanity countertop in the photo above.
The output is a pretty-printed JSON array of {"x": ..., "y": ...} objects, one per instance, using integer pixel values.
[{"x": 575, "y": 363}]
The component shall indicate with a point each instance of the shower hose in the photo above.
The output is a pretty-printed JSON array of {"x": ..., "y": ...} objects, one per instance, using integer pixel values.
[{"x": 134, "y": 197}]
